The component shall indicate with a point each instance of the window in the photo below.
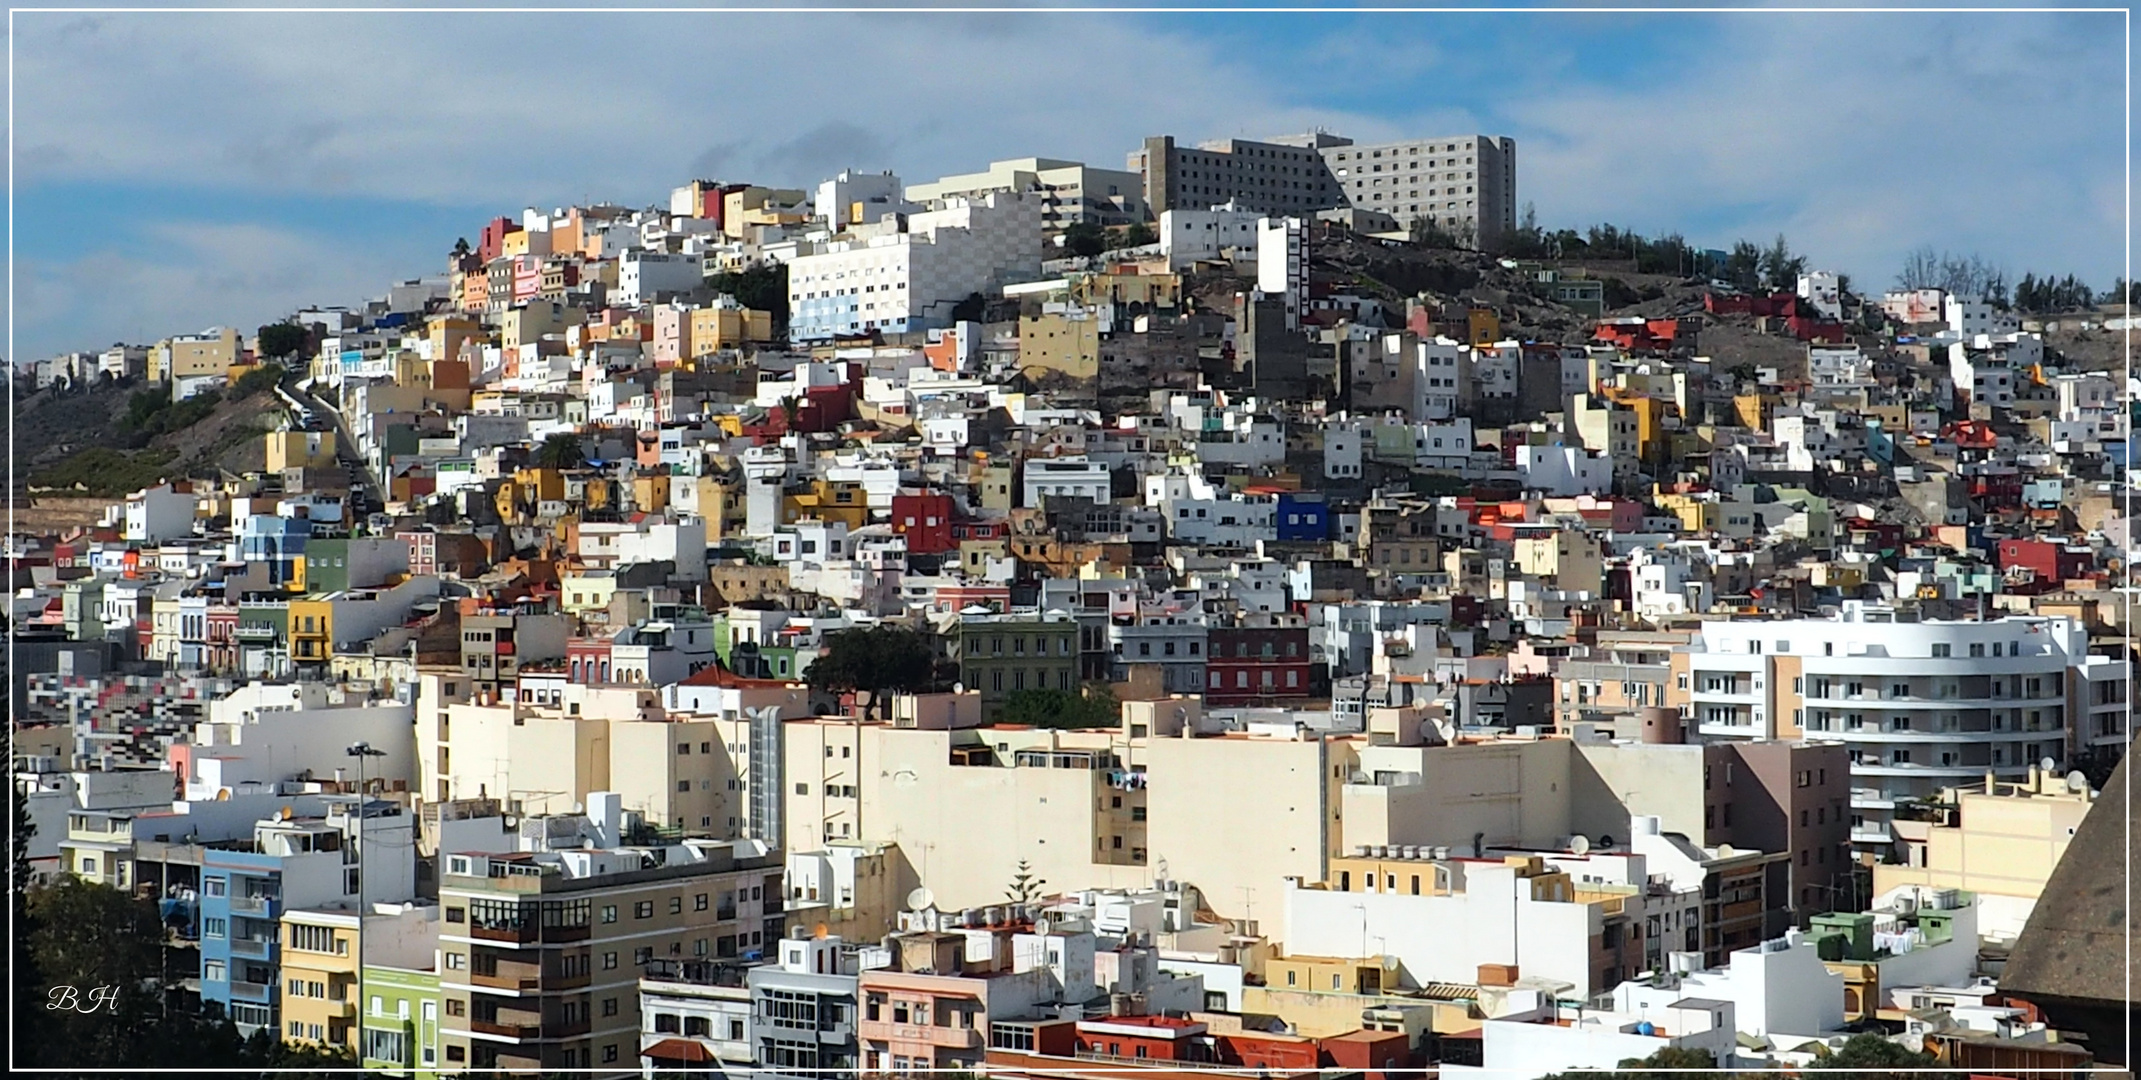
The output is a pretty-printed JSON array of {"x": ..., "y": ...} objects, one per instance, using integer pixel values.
[
  {"x": 643, "y": 910},
  {"x": 609, "y": 1006},
  {"x": 698, "y": 903},
  {"x": 609, "y": 961},
  {"x": 609, "y": 913},
  {"x": 609, "y": 1052}
]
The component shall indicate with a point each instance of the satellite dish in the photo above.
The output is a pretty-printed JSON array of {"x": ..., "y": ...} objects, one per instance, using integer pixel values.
[
  {"x": 2076, "y": 782},
  {"x": 1042, "y": 926},
  {"x": 1580, "y": 845},
  {"x": 1724, "y": 851},
  {"x": 1605, "y": 840},
  {"x": 920, "y": 898},
  {"x": 1390, "y": 963},
  {"x": 2047, "y": 765},
  {"x": 819, "y": 931}
]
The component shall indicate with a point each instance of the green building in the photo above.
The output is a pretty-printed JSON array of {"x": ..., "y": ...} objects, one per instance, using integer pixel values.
[
  {"x": 1000, "y": 655},
  {"x": 401, "y": 1022}
]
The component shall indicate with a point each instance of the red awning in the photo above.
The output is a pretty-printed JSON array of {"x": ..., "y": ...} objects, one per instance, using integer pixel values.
[{"x": 678, "y": 1050}]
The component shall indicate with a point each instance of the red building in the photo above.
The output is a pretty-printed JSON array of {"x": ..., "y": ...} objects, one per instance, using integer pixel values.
[
  {"x": 1640, "y": 335},
  {"x": 587, "y": 660},
  {"x": 1264, "y": 659},
  {"x": 493, "y": 237},
  {"x": 1144, "y": 1038},
  {"x": 925, "y": 519},
  {"x": 1368, "y": 1052},
  {"x": 2046, "y": 560},
  {"x": 1273, "y": 1052}
]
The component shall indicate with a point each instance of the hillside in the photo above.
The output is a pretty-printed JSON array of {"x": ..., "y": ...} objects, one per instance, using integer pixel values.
[{"x": 112, "y": 438}]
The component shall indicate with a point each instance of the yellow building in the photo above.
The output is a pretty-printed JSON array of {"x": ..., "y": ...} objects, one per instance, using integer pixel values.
[
  {"x": 1698, "y": 512},
  {"x": 211, "y": 352},
  {"x": 720, "y": 326},
  {"x": 1482, "y": 327},
  {"x": 311, "y": 629},
  {"x": 1060, "y": 342},
  {"x": 319, "y": 978},
  {"x": 1999, "y": 841},
  {"x": 300, "y": 450},
  {"x": 650, "y": 494},
  {"x": 1151, "y": 289}
]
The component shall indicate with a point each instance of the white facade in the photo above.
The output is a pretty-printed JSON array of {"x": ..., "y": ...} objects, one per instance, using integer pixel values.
[
  {"x": 642, "y": 274},
  {"x": 1824, "y": 293},
  {"x": 154, "y": 515},
  {"x": 1071, "y": 192},
  {"x": 903, "y": 281},
  {"x": 1341, "y": 451},
  {"x": 1066, "y": 478},
  {"x": 1970, "y": 317},
  {"x": 853, "y": 198},
  {"x": 1188, "y": 237},
  {"x": 1502, "y": 922},
  {"x": 1921, "y": 705},
  {"x": 1564, "y": 470},
  {"x": 1465, "y": 184},
  {"x": 1780, "y": 986}
]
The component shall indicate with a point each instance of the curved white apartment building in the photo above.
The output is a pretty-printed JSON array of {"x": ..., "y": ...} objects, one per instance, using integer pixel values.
[{"x": 1921, "y": 705}]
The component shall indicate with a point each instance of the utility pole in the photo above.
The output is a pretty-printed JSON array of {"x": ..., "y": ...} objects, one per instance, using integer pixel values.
[{"x": 360, "y": 751}]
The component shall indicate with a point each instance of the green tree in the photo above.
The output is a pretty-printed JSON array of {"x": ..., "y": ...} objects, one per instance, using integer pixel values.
[
  {"x": 1085, "y": 240},
  {"x": 86, "y": 940},
  {"x": 283, "y": 339},
  {"x": 1061, "y": 709},
  {"x": 878, "y": 660},
  {"x": 1869, "y": 1051},
  {"x": 262, "y": 377},
  {"x": 561, "y": 450},
  {"x": 1139, "y": 234},
  {"x": 1781, "y": 268},
  {"x": 1743, "y": 265},
  {"x": 1677, "y": 1063},
  {"x": 760, "y": 288},
  {"x": 27, "y": 1007},
  {"x": 1025, "y": 885}
]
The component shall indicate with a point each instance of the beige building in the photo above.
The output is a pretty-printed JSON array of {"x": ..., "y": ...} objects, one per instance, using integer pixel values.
[
  {"x": 730, "y": 325},
  {"x": 300, "y": 450},
  {"x": 540, "y": 953},
  {"x": 674, "y": 767},
  {"x": 1068, "y": 343},
  {"x": 210, "y": 352},
  {"x": 2000, "y": 842}
]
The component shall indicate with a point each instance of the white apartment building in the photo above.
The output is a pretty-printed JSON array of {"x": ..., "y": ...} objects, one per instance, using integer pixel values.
[
  {"x": 904, "y": 281},
  {"x": 1971, "y": 316},
  {"x": 1922, "y": 705},
  {"x": 1188, "y": 237},
  {"x": 1066, "y": 478},
  {"x": 1464, "y": 184},
  {"x": 853, "y": 198},
  {"x": 1822, "y": 291},
  {"x": 1071, "y": 192},
  {"x": 642, "y": 274}
]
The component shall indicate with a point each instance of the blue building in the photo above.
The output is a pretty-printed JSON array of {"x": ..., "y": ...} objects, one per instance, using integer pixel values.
[
  {"x": 1303, "y": 516},
  {"x": 246, "y": 885}
]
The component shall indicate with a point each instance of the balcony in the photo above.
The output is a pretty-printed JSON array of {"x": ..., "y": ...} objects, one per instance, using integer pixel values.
[
  {"x": 520, "y": 933},
  {"x": 528, "y": 1027},
  {"x": 252, "y": 991},
  {"x": 257, "y": 948},
  {"x": 259, "y": 907},
  {"x": 945, "y": 1037},
  {"x": 508, "y": 981}
]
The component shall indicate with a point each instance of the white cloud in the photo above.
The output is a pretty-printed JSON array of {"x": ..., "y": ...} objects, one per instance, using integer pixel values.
[
  {"x": 186, "y": 276},
  {"x": 1859, "y": 136}
]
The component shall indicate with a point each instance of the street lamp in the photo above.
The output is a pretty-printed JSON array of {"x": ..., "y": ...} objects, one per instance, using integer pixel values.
[{"x": 360, "y": 751}]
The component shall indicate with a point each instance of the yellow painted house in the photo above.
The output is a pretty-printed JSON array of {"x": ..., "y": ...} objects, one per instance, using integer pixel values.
[{"x": 319, "y": 978}]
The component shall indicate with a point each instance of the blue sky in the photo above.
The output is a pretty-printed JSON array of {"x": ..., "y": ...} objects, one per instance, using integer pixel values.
[{"x": 175, "y": 171}]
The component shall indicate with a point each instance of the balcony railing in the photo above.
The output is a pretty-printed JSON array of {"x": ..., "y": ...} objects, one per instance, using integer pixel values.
[
  {"x": 522, "y": 933},
  {"x": 956, "y": 1038},
  {"x": 258, "y": 948},
  {"x": 506, "y": 981},
  {"x": 252, "y": 991},
  {"x": 259, "y": 907},
  {"x": 532, "y": 1028}
]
